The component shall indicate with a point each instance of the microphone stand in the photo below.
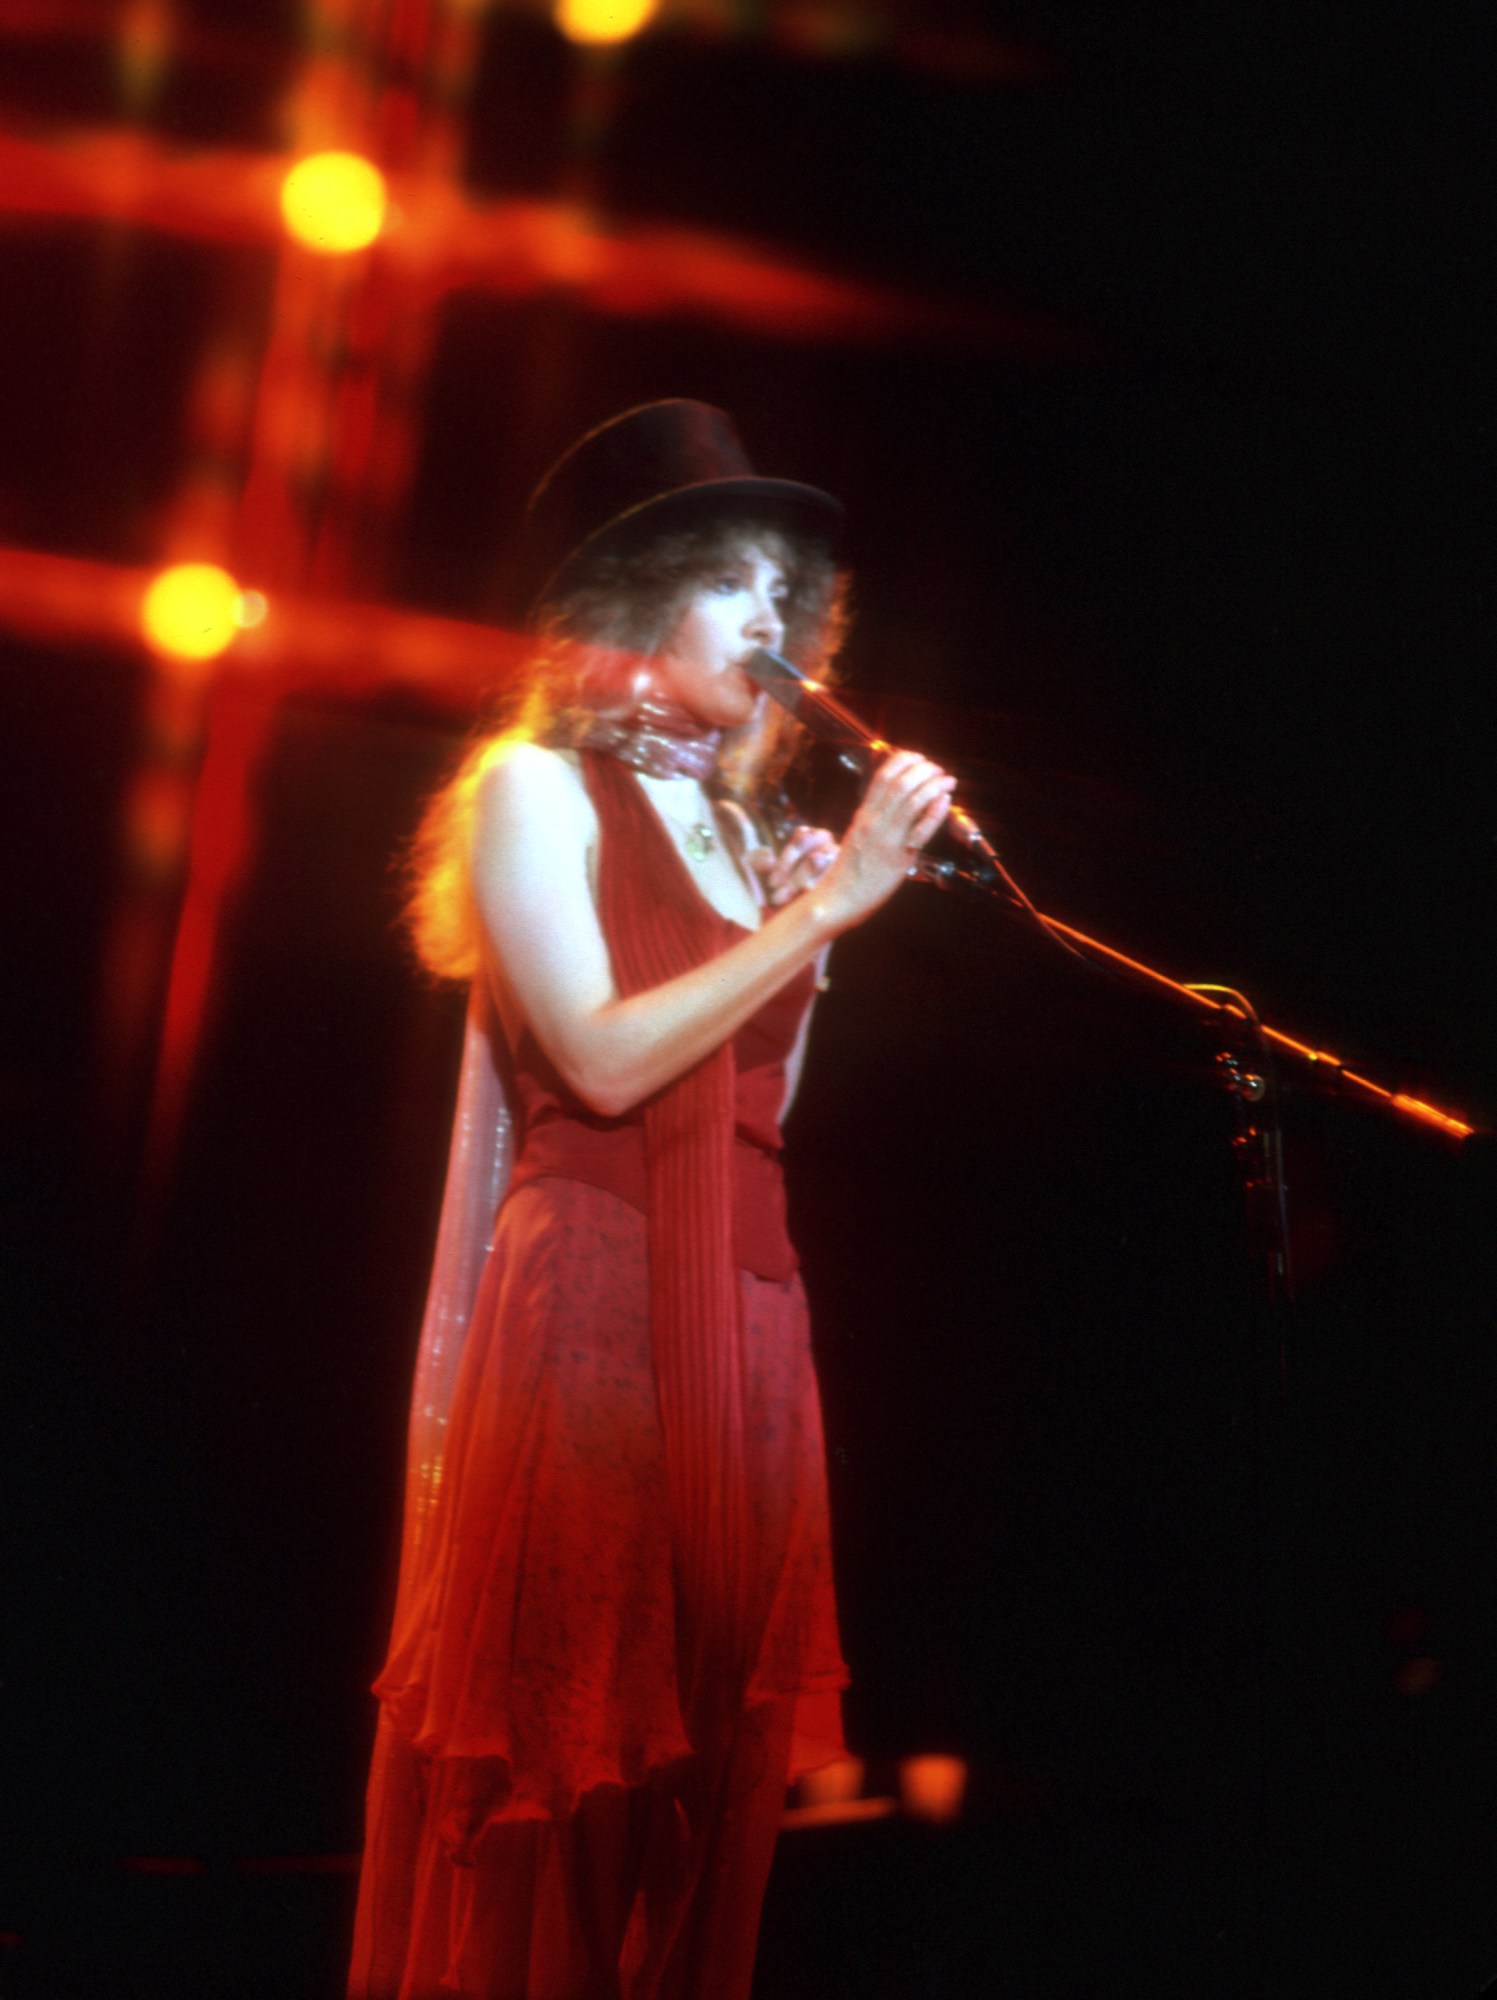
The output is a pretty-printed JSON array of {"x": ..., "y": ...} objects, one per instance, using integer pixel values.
[
  {"x": 1245, "y": 1051},
  {"x": 1248, "y": 1075}
]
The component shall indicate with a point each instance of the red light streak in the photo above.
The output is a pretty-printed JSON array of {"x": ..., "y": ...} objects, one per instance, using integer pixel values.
[
  {"x": 517, "y": 248},
  {"x": 1413, "y": 1107},
  {"x": 223, "y": 196},
  {"x": 240, "y": 720},
  {"x": 304, "y": 641},
  {"x": 839, "y": 1812}
]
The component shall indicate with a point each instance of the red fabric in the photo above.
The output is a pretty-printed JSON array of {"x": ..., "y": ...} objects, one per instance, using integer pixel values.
[
  {"x": 562, "y": 1137},
  {"x": 619, "y": 1901},
  {"x": 631, "y": 1595},
  {"x": 696, "y": 1328}
]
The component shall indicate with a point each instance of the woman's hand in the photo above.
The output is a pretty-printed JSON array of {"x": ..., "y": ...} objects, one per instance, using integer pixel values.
[
  {"x": 799, "y": 865},
  {"x": 535, "y": 841},
  {"x": 907, "y": 800}
]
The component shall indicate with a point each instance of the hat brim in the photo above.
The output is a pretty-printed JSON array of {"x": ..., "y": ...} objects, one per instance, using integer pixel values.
[{"x": 802, "y": 510}]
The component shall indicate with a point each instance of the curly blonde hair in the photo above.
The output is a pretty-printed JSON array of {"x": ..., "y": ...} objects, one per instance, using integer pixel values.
[{"x": 590, "y": 644}]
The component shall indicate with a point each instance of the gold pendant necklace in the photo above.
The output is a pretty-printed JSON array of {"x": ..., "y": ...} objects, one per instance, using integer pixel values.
[{"x": 699, "y": 842}]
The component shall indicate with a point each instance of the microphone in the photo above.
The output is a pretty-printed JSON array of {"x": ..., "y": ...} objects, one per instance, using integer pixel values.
[{"x": 861, "y": 750}]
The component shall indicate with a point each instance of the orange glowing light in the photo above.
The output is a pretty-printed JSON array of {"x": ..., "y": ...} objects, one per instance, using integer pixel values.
[
  {"x": 603, "y": 20},
  {"x": 1414, "y": 1107},
  {"x": 192, "y": 611},
  {"x": 158, "y": 818},
  {"x": 334, "y": 202},
  {"x": 933, "y": 1787},
  {"x": 832, "y": 1784}
]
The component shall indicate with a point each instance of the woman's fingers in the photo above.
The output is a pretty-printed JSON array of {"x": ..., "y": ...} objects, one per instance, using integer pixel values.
[
  {"x": 931, "y": 818},
  {"x": 899, "y": 770},
  {"x": 816, "y": 855},
  {"x": 920, "y": 798},
  {"x": 800, "y": 864},
  {"x": 817, "y": 852},
  {"x": 794, "y": 850},
  {"x": 905, "y": 803},
  {"x": 906, "y": 782},
  {"x": 906, "y": 800}
]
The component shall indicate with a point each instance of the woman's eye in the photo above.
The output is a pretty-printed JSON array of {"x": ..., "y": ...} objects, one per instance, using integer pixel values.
[{"x": 726, "y": 584}]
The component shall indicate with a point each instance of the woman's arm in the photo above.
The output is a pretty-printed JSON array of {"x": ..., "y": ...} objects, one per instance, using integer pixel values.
[{"x": 535, "y": 828}]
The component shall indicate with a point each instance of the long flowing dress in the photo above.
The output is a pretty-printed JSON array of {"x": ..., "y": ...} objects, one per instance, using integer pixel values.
[{"x": 615, "y": 1637}]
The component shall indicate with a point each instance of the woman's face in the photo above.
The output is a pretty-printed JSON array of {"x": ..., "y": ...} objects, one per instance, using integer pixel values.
[{"x": 735, "y": 608}]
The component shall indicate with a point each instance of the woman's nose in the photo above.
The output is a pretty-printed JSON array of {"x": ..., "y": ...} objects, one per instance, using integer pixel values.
[{"x": 766, "y": 625}]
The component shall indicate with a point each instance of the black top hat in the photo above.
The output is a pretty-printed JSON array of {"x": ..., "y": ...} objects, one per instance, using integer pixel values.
[{"x": 661, "y": 466}]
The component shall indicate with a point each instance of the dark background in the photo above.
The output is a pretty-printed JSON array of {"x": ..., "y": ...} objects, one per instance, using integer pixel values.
[{"x": 1190, "y": 586}]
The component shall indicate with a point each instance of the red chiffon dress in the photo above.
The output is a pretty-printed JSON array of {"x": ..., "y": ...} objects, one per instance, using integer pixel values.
[{"x": 617, "y": 1639}]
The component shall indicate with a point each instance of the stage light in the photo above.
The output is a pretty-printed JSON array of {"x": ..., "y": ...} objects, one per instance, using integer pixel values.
[
  {"x": 334, "y": 202},
  {"x": 603, "y": 20},
  {"x": 933, "y": 1788},
  {"x": 832, "y": 1784},
  {"x": 193, "y": 610}
]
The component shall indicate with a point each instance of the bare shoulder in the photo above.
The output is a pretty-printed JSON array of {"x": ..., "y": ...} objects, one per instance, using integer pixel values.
[
  {"x": 527, "y": 786},
  {"x": 535, "y": 845}
]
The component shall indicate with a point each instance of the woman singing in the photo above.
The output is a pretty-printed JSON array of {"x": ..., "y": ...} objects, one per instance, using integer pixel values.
[{"x": 615, "y": 1639}]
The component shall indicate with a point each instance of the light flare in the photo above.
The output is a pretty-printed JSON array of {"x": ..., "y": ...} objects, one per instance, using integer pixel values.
[
  {"x": 602, "y": 21},
  {"x": 933, "y": 1787},
  {"x": 334, "y": 203},
  {"x": 191, "y": 611}
]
